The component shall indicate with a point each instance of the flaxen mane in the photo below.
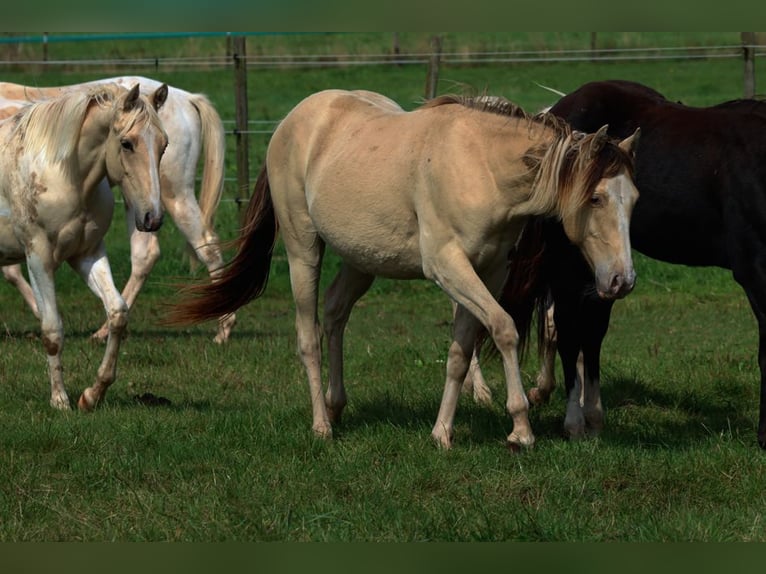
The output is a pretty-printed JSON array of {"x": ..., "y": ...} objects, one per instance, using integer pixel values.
[{"x": 52, "y": 126}]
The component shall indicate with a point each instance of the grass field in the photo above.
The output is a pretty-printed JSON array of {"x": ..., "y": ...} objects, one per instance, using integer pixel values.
[{"x": 232, "y": 457}]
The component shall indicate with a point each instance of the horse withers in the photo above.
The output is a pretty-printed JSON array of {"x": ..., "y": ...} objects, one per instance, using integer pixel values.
[
  {"x": 442, "y": 193},
  {"x": 56, "y": 204}
]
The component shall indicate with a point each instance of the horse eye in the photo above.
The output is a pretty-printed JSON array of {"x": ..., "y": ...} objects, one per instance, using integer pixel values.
[
  {"x": 126, "y": 145},
  {"x": 596, "y": 200}
]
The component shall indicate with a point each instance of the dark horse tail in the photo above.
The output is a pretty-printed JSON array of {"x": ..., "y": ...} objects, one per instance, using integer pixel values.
[
  {"x": 525, "y": 293},
  {"x": 244, "y": 277}
]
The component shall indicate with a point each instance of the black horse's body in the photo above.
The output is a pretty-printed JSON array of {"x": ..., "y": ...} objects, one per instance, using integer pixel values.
[{"x": 701, "y": 176}]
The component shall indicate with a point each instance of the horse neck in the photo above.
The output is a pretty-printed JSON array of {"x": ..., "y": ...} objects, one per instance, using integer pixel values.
[
  {"x": 532, "y": 185},
  {"x": 92, "y": 146}
]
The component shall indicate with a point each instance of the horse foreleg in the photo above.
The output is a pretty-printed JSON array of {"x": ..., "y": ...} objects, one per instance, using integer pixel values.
[
  {"x": 96, "y": 272},
  {"x": 41, "y": 277},
  {"x": 454, "y": 273},
  {"x": 589, "y": 364},
  {"x": 346, "y": 289},
  {"x": 15, "y": 277}
]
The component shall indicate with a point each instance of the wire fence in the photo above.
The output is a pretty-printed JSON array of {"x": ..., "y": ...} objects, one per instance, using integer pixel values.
[{"x": 236, "y": 58}]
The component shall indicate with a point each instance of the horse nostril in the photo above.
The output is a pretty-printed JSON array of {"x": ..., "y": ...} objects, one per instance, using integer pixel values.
[
  {"x": 617, "y": 284},
  {"x": 152, "y": 222}
]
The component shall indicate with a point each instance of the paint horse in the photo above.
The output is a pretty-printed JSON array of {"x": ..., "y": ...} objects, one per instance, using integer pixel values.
[
  {"x": 56, "y": 205},
  {"x": 194, "y": 128},
  {"x": 442, "y": 193},
  {"x": 702, "y": 180}
]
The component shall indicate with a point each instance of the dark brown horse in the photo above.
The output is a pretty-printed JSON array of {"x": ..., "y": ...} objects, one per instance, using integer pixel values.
[{"x": 701, "y": 174}]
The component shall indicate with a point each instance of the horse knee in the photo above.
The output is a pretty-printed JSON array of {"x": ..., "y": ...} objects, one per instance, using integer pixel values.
[{"x": 118, "y": 318}]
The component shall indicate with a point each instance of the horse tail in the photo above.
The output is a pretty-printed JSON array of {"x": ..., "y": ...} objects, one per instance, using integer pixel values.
[
  {"x": 242, "y": 279},
  {"x": 525, "y": 292},
  {"x": 214, "y": 148}
]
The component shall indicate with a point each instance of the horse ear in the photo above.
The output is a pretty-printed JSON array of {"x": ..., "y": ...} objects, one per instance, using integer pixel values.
[
  {"x": 159, "y": 97},
  {"x": 131, "y": 98},
  {"x": 630, "y": 144},
  {"x": 599, "y": 140}
]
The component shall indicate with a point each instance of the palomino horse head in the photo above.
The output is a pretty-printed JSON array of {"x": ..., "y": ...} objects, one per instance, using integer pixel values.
[
  {"x": 137, "y": 139},
  {"x": 600, "y": 226}
]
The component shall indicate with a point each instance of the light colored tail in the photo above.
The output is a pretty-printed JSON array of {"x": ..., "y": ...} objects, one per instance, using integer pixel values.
[{"x": 214, "y": 148}]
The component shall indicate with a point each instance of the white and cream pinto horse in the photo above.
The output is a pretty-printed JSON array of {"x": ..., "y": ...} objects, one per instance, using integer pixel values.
[
  {"x": 56, "y": 159},
  {"x": 193, "y": 127}
]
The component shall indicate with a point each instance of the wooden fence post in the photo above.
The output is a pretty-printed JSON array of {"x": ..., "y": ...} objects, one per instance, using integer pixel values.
[
  {"x": 748, "y": 43},
  {"x": 432, "y": 78},
  {"x": 241, "y": 129}
]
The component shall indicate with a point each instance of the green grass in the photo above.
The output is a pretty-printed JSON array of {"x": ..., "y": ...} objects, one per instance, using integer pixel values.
[{"x": 232, "y": 457}]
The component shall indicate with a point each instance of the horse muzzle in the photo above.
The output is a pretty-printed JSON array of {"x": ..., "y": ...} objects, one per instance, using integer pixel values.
[
  {"x": 151, "y": 221},
  {"x": 618, "y": 285}
]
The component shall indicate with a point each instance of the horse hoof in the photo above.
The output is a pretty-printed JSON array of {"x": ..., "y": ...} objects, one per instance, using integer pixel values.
[
  {"x": 517, "y": 448},
  {"x": 443, "y": 440},
  {"x": 324, "y": 432},
  {"x": 86, "y": 404},
  {"x": 536, "y": 396},
  {"x": 61, "y": 404}
]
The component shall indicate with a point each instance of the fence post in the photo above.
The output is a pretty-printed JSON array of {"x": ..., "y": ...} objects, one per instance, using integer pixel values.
[
  {"x": 432, "y": 78},
  {"x": 240, "y": 131},
  {"x": 748, "y": 47}
]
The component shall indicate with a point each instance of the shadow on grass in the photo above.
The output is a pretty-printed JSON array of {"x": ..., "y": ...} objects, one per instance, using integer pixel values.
[
  {"x": 637, "y": 415},
  {"x": 641, "y": 415}
]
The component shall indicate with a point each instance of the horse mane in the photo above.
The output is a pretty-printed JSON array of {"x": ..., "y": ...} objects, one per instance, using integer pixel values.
[
  {"x": 52, "y": 126},
  {"x": 568, "y": 170}
]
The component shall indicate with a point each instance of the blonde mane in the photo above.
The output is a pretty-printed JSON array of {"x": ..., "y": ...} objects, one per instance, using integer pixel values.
[{"x": 52, "y": 127}]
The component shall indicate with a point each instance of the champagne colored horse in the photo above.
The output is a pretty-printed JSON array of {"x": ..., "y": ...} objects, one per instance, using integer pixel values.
[
  {"x": 440, "y": 193},
  {"x": 193, "y": 126},
  {"x": 56, "y": 158}
]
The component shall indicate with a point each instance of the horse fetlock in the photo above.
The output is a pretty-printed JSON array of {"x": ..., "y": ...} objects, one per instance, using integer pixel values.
[
  {"x": 322, "y": 430},
  {"x": 88, "y": 400},
  {"x": 594, "y": 421},
  {"x": 225, "y": 325},
  {"x": 442, "y": 435},
  {"x": 519, "y": 441},
  {"x": 574, "y": 423},
  {"x": 60, "y": 401}
]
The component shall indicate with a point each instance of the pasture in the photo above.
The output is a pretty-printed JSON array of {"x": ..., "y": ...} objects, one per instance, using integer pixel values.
[{"x": 230, "y": 455}]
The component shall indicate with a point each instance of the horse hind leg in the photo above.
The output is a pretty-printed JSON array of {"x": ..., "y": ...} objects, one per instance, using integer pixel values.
[
  {"x": 305, "y": 251},
  {"x": 15, "y": 277},
  {"x": 475, "y": 384},
  {"x": 346, "y": 289},
  {"x": 203, "y": 241},
  {"x": 546, "y": 378}
]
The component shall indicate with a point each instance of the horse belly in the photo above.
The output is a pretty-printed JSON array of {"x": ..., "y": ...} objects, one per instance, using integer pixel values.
[{"x": 386, "y": 244}]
